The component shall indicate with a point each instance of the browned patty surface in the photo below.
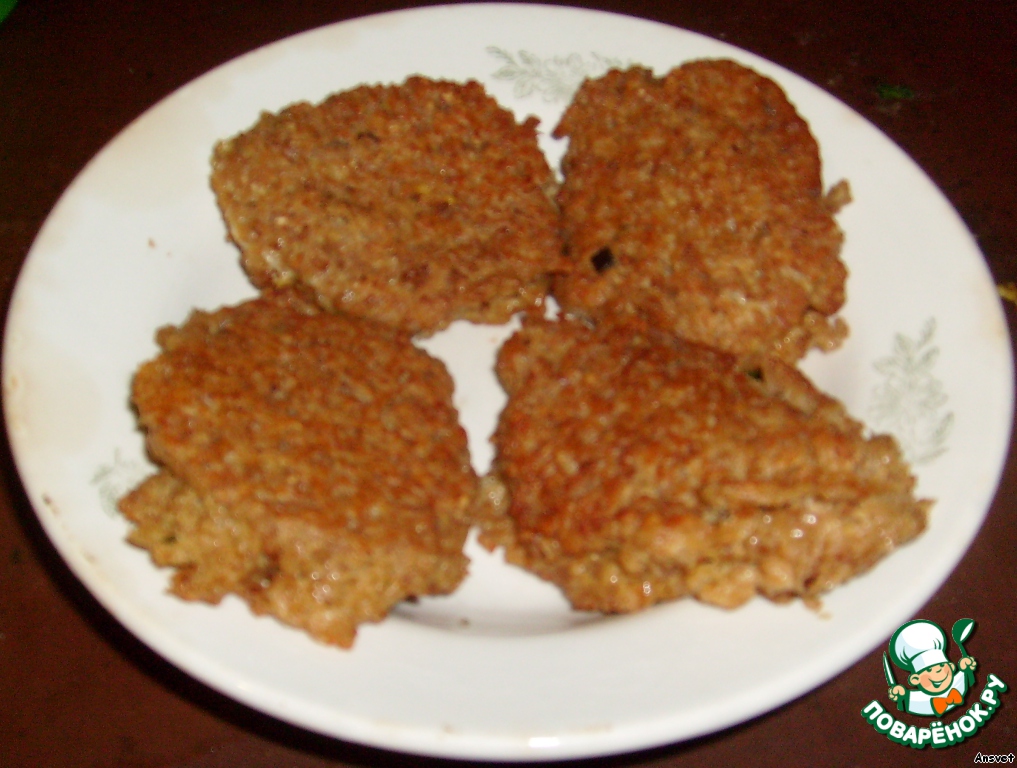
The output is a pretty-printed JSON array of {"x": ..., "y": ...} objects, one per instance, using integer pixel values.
[
  {"x": 414, "y": 204},
  {"x": 695, "y": 201},
  {"x": 639, "y": 468},
  {"x": 311, "y": 463}
]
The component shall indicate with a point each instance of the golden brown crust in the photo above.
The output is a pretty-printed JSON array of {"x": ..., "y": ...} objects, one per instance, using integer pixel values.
[
  {"x": 414, "y": 204},
  {"x": 311, "y": 463},
  {"x": 639, "y": 468},
  {"x": 694, "y": 201}
]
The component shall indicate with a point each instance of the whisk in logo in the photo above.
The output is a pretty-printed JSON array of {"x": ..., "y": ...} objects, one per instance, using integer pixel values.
[{"x": 935, "y": 687}]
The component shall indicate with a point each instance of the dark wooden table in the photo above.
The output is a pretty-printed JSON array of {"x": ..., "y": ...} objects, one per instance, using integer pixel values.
[{"x": 938, "y": 76}]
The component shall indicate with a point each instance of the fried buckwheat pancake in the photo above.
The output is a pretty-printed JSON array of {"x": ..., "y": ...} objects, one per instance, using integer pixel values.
[
  {"x": 635, "y": 467},
  {"x": 311, "y": 463},
  {"x": 414, "y": 204},
  {"x": 695, "y": 201}
]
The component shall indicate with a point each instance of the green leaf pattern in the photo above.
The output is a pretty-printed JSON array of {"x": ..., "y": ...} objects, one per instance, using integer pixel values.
[
  {"x": 115, "y": 479},
  {"x": 554, "y": 78},
  {"x": 909, "y": 402}
]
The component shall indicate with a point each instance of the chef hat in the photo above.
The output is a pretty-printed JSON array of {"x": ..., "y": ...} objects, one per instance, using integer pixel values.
[{"x": 918, "y": 645}]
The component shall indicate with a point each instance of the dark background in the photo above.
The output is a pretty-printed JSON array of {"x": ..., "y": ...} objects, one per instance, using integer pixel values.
[{"x": 76, "y": 689}]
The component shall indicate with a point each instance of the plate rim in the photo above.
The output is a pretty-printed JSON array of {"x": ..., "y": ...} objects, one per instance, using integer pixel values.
[{"x": 420, "y": 740}]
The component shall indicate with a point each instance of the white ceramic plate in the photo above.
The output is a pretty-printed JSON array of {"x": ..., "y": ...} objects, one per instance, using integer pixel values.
[{"x": 502, "y": 669}]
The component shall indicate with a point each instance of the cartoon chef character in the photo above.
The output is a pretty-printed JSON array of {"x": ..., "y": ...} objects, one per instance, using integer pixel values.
[{"x": 919, "y": 647}]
